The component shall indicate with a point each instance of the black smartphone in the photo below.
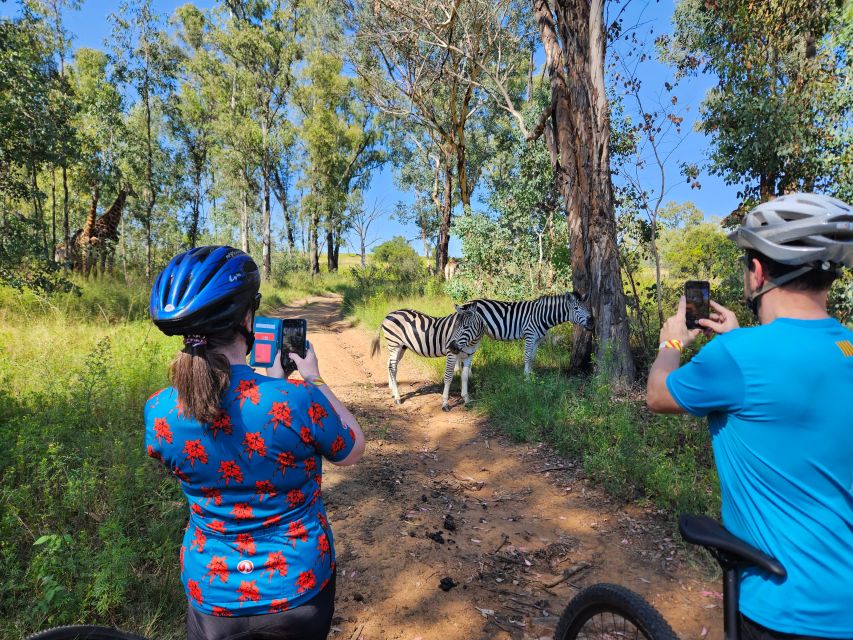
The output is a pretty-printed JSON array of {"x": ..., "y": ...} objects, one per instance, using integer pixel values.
[
  {"x": 698, "y": 294},
  {"x": 293, "y": 340}
]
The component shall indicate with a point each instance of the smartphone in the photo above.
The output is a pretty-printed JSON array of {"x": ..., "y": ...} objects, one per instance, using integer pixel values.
[{"x": 698, "y": 294}]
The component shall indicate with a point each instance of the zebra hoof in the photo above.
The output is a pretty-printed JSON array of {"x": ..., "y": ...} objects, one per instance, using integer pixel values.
[
  {"x": 445, "y": 407},
  {"x": 398, "y": 401}
]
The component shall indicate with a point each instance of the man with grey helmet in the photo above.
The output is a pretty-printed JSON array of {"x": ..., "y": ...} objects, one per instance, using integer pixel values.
[{"x": 777, "y": 399}]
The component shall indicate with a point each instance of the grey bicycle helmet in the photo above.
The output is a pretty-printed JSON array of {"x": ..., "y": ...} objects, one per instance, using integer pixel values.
[
  {"x": 800, "y": 229},
  {"x": 806, "y": 229}
]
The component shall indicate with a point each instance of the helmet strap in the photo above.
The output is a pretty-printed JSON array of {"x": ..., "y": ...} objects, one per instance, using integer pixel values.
[{"x": 772, "y": 283}]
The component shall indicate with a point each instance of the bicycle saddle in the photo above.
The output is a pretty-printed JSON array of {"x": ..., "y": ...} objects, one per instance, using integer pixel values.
[{"x": 728, "y": 549}]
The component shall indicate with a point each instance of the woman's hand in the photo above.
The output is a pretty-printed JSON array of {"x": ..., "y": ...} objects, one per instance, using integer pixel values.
[
  {"x": 721, "y": 321},
  {"x": 276, "y": 370},
  {"x": 675, "y": 327},
  {"x": 308, "y": 367}
]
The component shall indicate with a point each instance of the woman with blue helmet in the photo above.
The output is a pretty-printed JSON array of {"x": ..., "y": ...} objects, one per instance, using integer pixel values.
[{"x": 257, "y": 559}]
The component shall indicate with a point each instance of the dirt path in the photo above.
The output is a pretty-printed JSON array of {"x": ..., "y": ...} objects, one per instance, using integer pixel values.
[{"x": 512, "y": 529}]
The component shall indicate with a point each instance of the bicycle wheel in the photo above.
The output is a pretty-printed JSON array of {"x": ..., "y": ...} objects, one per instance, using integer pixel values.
[
  {"x": 611, "y": 612},
  {"x": 84, "y": 632}
]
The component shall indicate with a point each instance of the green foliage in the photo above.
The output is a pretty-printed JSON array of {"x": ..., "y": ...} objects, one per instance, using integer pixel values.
[
  {"x": 22, "y": 262},
  {"x": 779, "y": 116},
  {"x": 395, "y": 269},
  {"x": 89, "y": 528}
]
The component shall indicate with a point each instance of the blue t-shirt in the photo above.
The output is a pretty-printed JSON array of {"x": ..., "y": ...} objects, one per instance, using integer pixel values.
[
  {"x": 258, "y": 540},
  {"x": 778, "y": 402}
]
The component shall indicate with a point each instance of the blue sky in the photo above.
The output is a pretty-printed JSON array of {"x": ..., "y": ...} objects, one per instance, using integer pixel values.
[{"x": 91, "y": 27}]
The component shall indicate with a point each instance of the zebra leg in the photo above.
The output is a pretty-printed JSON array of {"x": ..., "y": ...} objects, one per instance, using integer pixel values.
[
  {"x": 466, "y": 371},
  {"x": 531, "y": 344},
  {"x": 449, "y": 369},
  {"x": 395, "y": 354}
]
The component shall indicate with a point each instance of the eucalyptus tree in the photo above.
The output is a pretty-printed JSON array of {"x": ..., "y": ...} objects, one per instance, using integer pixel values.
[
  {"x": 779, "y": 116},
  {"x": 261, "y": 40},
  {"x": 424, "y": 62},
  {"x": 576, "y": 127},
  {"x": 341, "y": 138},
  {"x": 145, "y": 60},
  {"x": 191, "y": 109}
]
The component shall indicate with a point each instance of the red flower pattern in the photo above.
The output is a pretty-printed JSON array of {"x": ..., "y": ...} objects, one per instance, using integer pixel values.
[
  {"x": 199, "y": 540},
  {"x": 162, "y": 430},
  {"x": 195, "y": 591},
  {"x": 264, "y": 488},
  {"x": 187, "y": 446},
  {"x": 217, "y": 568},
  {"x": 254, "y": 443},
  {"x": 275, "y": 562},
  {"x": 295, "y": 497},
  {"x": 338, "y": 445},
  {"x": 222, "y": 423},
  {"x": 297, "y": 531},
  {"x": 242, "y": 511},
  {"x": 279, "y": 605},
  {"x": 195, "y": 451},
  {"x": 316, "y": 412},
  {"x": 248, "y": 390},
  {"x": 284, "y": 460},
  {"x": 212, "y": 493},
  {"x": 280, "y": 413},
  {"x": 306, "y": 580},
  {"x": 245, "y": 542},
  {"x": 248, "y": 591},
  {"x": 229, "y": 470}
]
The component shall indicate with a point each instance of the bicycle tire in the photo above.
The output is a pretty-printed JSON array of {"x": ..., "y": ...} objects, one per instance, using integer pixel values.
[
  {"x": 84, "y": 632},
  {"x": 620, "y": 604}
]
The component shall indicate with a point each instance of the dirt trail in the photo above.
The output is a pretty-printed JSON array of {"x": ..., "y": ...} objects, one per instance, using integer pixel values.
[{"x": 515, "y": 529}]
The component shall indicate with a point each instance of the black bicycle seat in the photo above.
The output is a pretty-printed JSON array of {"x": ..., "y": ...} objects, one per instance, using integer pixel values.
[{"x": 709, "y": 533}]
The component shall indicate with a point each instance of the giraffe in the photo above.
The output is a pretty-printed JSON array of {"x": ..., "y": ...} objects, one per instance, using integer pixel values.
[
  {"x": 104, "y": 234},
  {"x": 78, "y": 253}
]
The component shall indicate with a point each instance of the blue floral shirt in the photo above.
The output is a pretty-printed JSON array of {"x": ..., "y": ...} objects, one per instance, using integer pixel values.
[{"x": 258, "y": 539}]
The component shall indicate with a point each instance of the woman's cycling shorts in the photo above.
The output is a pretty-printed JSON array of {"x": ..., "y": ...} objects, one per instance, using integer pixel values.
[{"x": 310, "y": 621}]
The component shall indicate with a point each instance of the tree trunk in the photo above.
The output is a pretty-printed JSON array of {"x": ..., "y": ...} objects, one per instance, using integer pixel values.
[
  {"x": 444, "y": 230},
  {"x": 330, "y": 249},
  {"x": 266, "y": 252},
  {"x": 244, "y": 224},
  {"x": 53, "y": 212},
  {"x": 313, "y": 256},
  {"x": 579, "y": 141},
  {"x": 65, "y": 224},
  {"x": 194, "y": 224}
]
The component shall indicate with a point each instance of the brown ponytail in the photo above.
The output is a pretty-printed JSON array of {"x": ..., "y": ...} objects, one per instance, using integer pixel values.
[{"x": 202, "y": 376}]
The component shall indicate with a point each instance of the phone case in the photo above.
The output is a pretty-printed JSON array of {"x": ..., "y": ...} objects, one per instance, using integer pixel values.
[{"x": 268, "y": 333}]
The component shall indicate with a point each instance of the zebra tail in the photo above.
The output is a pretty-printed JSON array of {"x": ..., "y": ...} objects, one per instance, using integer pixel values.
[{"x": 374, "y": 344}]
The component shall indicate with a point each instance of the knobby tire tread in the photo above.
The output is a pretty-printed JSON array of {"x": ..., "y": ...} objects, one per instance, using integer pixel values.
[
  {"x": 84, "y": 632},
  {"x": 612, "y": 598}
]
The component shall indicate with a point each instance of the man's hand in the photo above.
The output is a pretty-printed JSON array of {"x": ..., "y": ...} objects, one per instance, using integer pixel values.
[
  {"x": 675, "y": 327},
  {"x": 721, "y": 321}
]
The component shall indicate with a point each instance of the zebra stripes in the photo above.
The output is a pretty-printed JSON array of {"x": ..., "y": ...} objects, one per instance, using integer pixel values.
[
  {"x": 531, "y": 319},
  {"x": 456, "y": 336}
]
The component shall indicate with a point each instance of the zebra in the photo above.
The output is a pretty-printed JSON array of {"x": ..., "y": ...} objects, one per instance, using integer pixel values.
[
  {"x": 531, "y": 319},
  {"x": 456, "y": 336}
]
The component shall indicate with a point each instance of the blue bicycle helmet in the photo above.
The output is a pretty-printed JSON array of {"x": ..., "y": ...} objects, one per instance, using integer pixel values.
[{"x": 205, "y": 291}]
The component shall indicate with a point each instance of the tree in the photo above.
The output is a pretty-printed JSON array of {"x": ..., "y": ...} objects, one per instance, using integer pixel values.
[
  {"x": 146, "y": 62},
  {"x": 341, "y": 140},
  {"x": 422, "y": 62},
  {"x": 576, "y": 126},
  {"x": 360, "y": 220},
  {"x": 778, "y": 113}
]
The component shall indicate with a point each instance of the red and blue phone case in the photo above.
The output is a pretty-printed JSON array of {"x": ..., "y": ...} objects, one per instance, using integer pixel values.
[{"x": 268, "y": 333}]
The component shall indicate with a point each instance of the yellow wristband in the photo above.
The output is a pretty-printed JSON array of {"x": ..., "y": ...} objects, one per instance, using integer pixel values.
[
  {"x": 671, "y": 344},
  {"x": 317, "y": 382}
]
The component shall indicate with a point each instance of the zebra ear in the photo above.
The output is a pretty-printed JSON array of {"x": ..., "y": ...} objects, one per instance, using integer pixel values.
[
  {"x": 458, "y": 308},
  {"x": 582, "y": 298}
]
